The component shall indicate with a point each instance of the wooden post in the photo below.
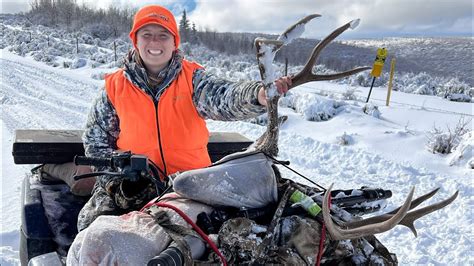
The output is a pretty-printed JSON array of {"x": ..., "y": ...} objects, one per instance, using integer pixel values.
[
  {"x": 77, "y": 45},
  {"x": 390, "y": 81},
  {"x": 48, "y": 40},
  {"x": 115, "y": 53},
  {"x": 286, "y": 70}
]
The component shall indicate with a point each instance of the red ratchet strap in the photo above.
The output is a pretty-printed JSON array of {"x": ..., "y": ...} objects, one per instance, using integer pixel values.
[
  {"x": 151, "y": 202},
  {"x": 323, "y": 237},
  {"x": 195, "y": 227}
]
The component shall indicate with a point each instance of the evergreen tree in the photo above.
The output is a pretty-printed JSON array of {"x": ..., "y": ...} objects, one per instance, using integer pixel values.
[
  {"x": 184, "y": 28},
  {"x": 194, "y": 34}
]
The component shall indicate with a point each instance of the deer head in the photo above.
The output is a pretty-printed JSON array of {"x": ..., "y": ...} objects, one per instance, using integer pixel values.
[{"x": 266, "y": 51}]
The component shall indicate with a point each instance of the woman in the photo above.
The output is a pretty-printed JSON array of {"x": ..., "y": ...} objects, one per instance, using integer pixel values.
[{"x": 157, "y": 105}]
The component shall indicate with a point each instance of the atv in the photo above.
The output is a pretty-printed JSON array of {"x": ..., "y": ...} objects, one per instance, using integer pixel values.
[{"x": 44, "y": 228}]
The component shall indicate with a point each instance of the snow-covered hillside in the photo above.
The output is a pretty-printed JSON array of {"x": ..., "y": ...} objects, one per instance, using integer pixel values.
[
  {"x": 385, "y": 146},
  {"x": 447, "y": 57}
]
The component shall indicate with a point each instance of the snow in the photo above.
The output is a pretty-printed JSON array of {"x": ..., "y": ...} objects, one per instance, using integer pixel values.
[
  {"x": 355, "y": 23},
  {"x": 387, "y": 152}
]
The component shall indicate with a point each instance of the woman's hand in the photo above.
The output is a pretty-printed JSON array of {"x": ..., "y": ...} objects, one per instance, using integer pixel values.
[{"x": 282, "y": 84}]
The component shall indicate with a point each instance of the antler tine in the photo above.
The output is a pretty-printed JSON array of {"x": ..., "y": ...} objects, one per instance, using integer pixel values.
[
  {"x": 337, "y": 233},
  {"x": 410, "y": 218},
  {"x": 284, "y": 36},
  {"x": 277, "y": 44},
  {"x": 306, "y": 74},
  {"x": 266, "y": 50},
  {"x": 385, "y": 216},
  {"x": 337, "y": 75},
  {"x": 419, "y": 200}
]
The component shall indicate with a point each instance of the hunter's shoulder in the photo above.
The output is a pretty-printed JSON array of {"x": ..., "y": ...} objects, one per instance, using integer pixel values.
[
  {"x": 192, "y": 65},
  {"x": 119, "y": 73}
]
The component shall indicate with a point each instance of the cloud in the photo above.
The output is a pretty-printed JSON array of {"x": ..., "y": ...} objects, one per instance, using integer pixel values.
[
  {"x": 175, "y": 6},
  {"x": 379, "y": 17},
  {"x": 13, "y": 6}
]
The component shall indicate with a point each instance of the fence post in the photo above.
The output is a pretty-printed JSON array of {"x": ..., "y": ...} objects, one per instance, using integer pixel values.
[
  {"x": 115, "y": 53},
  {"x": 77, "y": 44},
  {"x": 392, "y": 69}
]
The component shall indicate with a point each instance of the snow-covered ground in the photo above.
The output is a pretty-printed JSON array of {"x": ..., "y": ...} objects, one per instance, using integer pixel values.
[{"x": 387, "y": 151}]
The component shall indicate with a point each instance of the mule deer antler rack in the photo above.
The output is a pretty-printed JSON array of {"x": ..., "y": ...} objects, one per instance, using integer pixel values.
[{"x": 266, "y": 51}]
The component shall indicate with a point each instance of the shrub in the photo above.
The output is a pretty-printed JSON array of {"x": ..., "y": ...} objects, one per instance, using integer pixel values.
[
  {"x": 345, "y": 140},
  {"x": 99, "y": 30},
  {"x": 453, "y": 90},
  {"x": 439, "y": 141},
  {"x": 462, "y": 154},
  {"x": 312, "y": 107},
  {"x": 372, "y": 110},
  {"x": 349, "y": 94}
]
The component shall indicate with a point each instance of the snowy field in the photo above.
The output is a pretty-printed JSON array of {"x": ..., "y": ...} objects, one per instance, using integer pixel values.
[{"x": 386, "y": 150}]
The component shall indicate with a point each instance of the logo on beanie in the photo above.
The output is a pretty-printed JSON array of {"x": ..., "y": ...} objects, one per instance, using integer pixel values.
[{"x": 163, "y": 17}]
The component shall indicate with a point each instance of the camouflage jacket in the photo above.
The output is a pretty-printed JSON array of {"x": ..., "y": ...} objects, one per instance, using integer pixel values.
[{"x": 213, "y": 97}]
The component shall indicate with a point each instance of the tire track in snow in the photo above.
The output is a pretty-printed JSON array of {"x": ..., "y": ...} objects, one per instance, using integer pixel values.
[{"x": 33, "y": 97}]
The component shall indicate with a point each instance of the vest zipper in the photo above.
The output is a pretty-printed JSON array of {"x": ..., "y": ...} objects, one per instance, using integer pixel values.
[
  {"x": 155, "y": 102},
  {"x": 159, "y": 138}
]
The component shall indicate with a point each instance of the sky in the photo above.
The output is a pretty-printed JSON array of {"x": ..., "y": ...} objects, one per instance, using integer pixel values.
[{"x": 425, "y": 18}]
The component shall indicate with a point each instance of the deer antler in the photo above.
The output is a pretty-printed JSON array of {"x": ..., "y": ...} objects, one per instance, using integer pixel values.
[
  {"x": 384, "y": 222},
  {"x": 306, "y": 74},
  {"x": 337, "y": 233},
  {"x": 410, "y": 217},
  {"x": 385, "y": 216},
  {"x": 266, "y": 51}
]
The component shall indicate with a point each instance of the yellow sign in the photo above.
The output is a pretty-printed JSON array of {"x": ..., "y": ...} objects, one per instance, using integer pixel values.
[{"x": 379, "y": 61}]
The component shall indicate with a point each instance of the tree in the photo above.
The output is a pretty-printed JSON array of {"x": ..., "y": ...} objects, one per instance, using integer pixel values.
[
  {"x": 113, "y": 19},
  {"x": 184, "y": 28},
  {"x": 194, "y": 35},
  {"x": 66, "y": 11}
]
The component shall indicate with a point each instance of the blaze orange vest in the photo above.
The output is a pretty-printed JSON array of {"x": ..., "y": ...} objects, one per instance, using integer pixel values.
[{"x": 174, "y": 122}]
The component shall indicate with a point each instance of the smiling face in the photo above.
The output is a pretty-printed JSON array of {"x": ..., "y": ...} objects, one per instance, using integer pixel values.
[{"x": 155, "y": 45}]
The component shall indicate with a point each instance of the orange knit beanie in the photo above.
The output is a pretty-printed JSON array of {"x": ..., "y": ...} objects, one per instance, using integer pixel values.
[{"x": 154, "y": 14}]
